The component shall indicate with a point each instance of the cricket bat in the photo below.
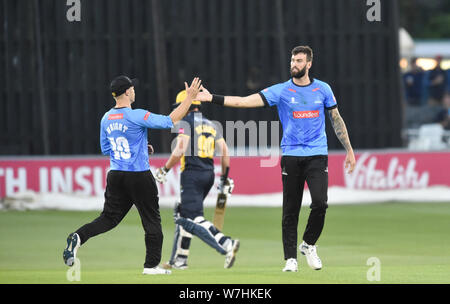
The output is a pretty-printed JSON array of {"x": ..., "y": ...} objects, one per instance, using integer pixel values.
[{"x": 219, "y": 213}]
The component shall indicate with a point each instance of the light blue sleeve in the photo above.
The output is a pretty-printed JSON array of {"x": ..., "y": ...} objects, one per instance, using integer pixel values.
[
  {"x": 272, "y": 94},
  {"x": 330, "y": 100},
  {"x": 150, "y": 120},
  {"x": 104, "y": 142}
]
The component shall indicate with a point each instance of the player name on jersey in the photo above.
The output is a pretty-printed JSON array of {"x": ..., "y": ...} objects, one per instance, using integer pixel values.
[
  {"x": 203, "y": 128},
  {"x": 116, "y": 127}
]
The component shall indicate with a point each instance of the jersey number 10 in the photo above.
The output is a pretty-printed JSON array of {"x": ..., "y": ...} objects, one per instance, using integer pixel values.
[
  {"x": 120, "y": 147},
  {"x": 205, "y": 146}
]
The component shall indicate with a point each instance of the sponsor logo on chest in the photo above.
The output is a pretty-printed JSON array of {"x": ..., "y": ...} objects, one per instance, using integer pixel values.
[
  {"x": 115, "y": 116},
  {"x": 305, "y": 114}
]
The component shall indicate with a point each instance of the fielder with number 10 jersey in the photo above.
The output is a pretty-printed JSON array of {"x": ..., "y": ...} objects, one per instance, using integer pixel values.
[{"x": 123, "y": 136}]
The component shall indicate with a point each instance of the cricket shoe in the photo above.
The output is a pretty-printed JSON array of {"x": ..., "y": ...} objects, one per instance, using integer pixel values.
[
  {"x": 291, "y": 265},
  {"x": 156, "y": 270},
  {"x": 70, "y": 253},
  {"x": 177, "y": 265},
  {"x": 310, "y": 251},
  {"x": 231, "y": 253}
]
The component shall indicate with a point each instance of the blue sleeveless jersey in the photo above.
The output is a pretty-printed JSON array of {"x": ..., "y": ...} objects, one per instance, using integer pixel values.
[
  {"x": 301, "y": 110},
  {"x": 123, "y": 136}
]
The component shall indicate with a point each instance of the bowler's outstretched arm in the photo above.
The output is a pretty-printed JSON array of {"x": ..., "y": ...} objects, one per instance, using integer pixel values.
[{"x": 251, "y": 101}]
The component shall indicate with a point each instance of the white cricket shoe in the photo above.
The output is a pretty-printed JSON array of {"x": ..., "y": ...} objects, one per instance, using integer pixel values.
[
  {"x": 310, "y": 251},
  {"x": 178, "y": 264},
  {"x": 291, "y": 265},
  {"x": 231, "y": 253},
  {"x": 156, "y": 270}
]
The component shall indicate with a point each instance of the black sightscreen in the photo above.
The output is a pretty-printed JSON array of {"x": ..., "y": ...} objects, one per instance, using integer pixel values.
[{"x": 55, "y": 74}]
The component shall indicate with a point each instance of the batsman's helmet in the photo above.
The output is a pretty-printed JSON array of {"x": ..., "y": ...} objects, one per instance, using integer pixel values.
[{"x": 182, "y": 96}]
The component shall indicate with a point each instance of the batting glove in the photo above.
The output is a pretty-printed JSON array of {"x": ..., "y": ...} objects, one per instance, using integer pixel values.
[
  {"x": 226, "y": 186},
  {"x": 161, "y": 175}
]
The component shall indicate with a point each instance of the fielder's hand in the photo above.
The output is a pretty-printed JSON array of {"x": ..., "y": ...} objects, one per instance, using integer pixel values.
[
  {"x": 160, "y": 175},
  {"x": 350, "y": 162},
  {"x": 204, "y": 95},
  {"x": 194, "y": 89},
  {"x": 150, "y": 150}
]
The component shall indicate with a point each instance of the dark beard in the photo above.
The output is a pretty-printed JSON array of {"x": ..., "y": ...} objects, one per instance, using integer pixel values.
[{"x": 299, "y": 74}]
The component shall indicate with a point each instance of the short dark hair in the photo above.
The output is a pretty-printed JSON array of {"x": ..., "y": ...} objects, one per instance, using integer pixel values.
[{"x": 305, "y": 50}]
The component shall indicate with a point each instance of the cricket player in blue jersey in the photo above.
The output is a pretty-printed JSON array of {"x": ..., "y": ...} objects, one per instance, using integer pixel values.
[
  {"x": 302, "y": 103},
  {"x": 123, "y": 137}
]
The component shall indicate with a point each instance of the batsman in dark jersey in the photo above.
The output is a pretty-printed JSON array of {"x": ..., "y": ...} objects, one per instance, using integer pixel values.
[
  {"x": 123, "y": 137},
  {"x": 197, "y": 140}
]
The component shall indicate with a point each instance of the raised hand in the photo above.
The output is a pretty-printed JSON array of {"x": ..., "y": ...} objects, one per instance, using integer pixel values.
[
  {"x": 204, "y": 95},
  {"x": 194, "y": 89},
  {"x": 191, "y": 92}
]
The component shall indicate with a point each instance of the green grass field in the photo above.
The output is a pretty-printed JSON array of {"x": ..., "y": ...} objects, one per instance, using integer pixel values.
[{"x": 410, "y": 240}]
